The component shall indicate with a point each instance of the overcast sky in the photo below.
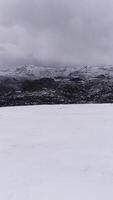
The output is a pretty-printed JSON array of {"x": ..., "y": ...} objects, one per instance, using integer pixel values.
[{"x": 72, "y": 31}]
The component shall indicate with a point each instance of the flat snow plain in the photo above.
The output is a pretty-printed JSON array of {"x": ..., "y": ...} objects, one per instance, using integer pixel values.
[{"x": 56, "y": 152}]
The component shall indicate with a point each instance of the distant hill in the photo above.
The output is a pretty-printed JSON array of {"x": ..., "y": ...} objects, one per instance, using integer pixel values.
[{"x": 29, "y": 85}]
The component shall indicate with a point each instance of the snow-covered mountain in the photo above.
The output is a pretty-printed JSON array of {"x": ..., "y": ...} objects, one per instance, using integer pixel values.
[
  {"x": 31, "y": 71},
  {"x": 26, "y": 85},
  {"x": 36, "y": 71}
]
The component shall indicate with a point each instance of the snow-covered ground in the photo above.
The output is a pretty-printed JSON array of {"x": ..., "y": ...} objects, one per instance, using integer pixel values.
[{"x": 56, "y": 152}]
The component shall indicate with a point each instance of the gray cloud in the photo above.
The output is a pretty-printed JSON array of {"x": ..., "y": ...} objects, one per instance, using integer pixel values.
[{"x": 75, "y": 31}]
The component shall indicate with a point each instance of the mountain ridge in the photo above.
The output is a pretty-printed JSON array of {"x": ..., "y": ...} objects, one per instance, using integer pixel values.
[
  {"x": 33, "y": 71},
  {"x": 32, "y": 85}
]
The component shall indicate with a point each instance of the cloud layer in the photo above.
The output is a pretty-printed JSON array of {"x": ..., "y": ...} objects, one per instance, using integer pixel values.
[{"x": 75, "y": 31}]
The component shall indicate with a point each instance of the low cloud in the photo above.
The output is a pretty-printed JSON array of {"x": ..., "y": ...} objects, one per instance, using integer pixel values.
[{"x": 56, "y": 31}]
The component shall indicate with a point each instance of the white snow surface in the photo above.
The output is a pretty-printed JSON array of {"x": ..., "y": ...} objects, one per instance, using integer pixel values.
[{"x": 56, "y": 152}]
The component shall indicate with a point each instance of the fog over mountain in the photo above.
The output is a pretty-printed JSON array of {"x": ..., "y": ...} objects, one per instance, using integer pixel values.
[{"x": 75, "y": 31}]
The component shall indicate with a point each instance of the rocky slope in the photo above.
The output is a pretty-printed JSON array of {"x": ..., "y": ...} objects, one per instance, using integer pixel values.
[{"x": 29, "y": 85}]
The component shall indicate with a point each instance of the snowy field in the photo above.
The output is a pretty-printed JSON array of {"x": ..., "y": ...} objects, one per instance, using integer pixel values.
[{"x": 56, "y": 152}]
